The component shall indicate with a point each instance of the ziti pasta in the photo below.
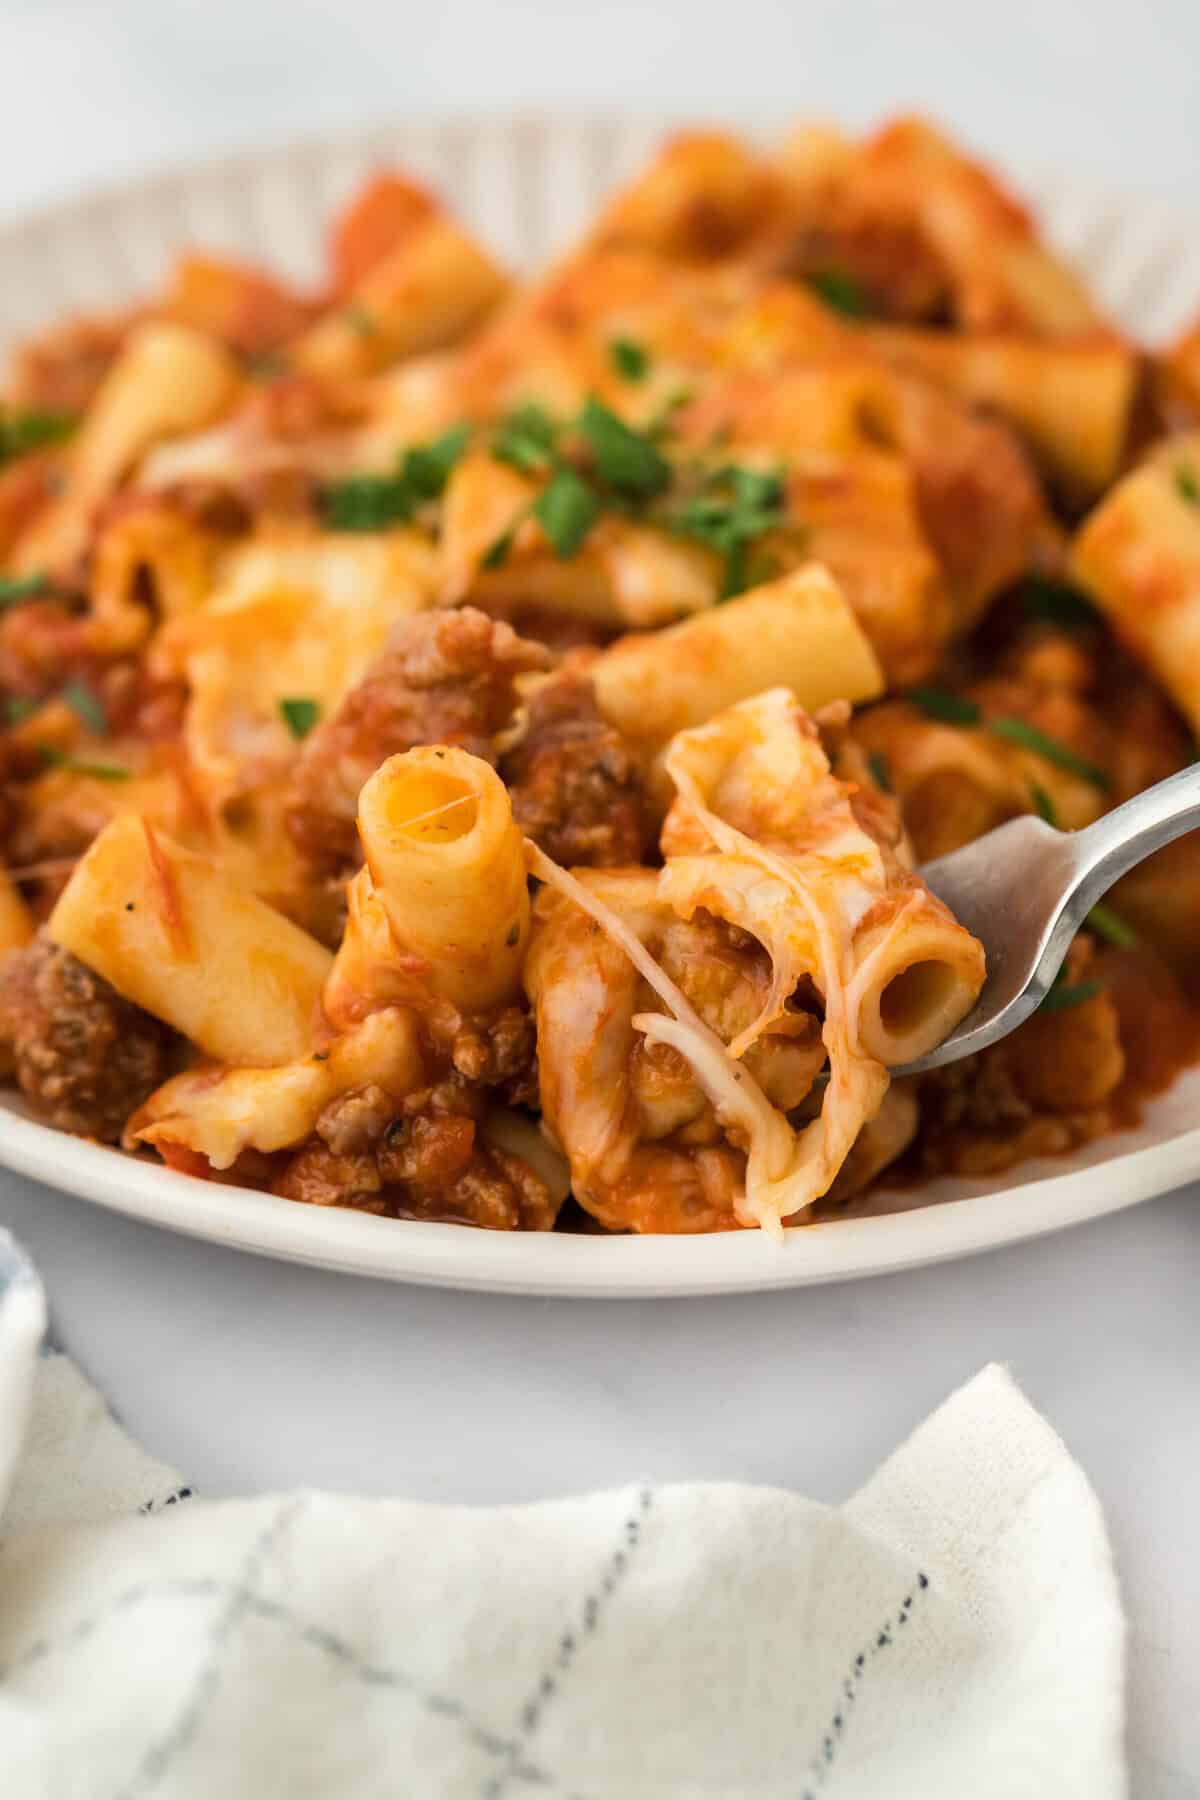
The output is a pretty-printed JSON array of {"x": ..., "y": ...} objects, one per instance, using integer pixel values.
[{"x": 470, "y": 740}]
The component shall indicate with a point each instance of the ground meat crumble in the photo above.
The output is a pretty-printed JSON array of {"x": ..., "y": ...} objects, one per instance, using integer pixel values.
[
  {"x": 85, "y": 1057},
  {"x": 575, "y": 786},
  {"x": 425, "y": 1161},
  {"x": 445, "y": 678}
]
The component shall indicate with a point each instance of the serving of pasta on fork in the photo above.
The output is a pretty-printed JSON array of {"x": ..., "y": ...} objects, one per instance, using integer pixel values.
[{"x": 469, "y": 743}]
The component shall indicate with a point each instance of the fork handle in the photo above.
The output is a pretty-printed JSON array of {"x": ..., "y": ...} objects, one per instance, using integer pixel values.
[{"x": 1121, "y": 839}]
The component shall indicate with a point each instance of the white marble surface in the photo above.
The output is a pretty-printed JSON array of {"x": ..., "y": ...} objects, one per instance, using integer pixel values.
[{"x": 251, "y": 1375}]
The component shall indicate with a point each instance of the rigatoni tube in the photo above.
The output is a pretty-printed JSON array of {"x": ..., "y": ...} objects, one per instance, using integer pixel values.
[
  {"x": 447, "y": 862},
  {"x": 916, "y": 976},
  {"x": 797, "y": 632},
  {"x": 172, "y": 933}
]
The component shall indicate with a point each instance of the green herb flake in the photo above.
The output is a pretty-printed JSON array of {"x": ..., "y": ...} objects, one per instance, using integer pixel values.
[
  {"x": 498, "y": 551},
  {"x": 945, "y": 707},
  {"x": 427, "y": 467},
  {"x": 1186, "y": 484},
  {"x": 526, "y": 439},
  {"x": 881, "y": 773},
  {"x": 299, "y": 714},
  {"x": 566, "y": 510},
  {"x": 624, "y": 459},
  {"x": 17, "y": 708},
  {"x": 21, "y": 432},
  {"x": 367, "y": 503},
  {"x": 732, "y": 508},
  {"x": 87, "y": 707},
  {"x": 1044, "y": 805},
  {"x": 761, "y": 567},
  {"x": 1063, "y": 995},
  {"x": 1057, "y": 603},
  {"x": 840, "y": 291},
  {"x": 15, "y": 588},
  {"x": 630, "y": 360},
  {"x": 54, "y": 758},
  {"x": 1018, "y": 731},
  {"x": 1112, "y": 927},
  {"x": 373, "y": 502},
  {"x": 359, "y": 319}
]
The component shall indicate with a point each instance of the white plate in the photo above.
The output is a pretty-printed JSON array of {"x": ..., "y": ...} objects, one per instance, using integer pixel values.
[
  {"x": 525, "y": 185},
  {"x": 953, "y": 1218}
]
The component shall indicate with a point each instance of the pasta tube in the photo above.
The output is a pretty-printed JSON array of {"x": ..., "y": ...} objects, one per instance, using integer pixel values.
[
  {"x": 447, "y": 864},
  {"x": 1069, "y": 398},
  {"x": 218, "y": 1115},
  {"x": 761, "y": 838},
  {"x": 297, "y": 613},
  {"x": 177, "y": 937},
  {"x": 425, "y": 292},
  {"x": 1138, "y": 556},
  {"x": 167, "y": 381},
  {"x": 625, "y": 575},
  {"x": 797, "y": 632}
]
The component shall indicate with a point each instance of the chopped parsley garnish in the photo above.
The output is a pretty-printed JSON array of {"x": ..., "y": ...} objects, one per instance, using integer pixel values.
[
  {"x": 497, "y": 552},
  {"x": 956, "y": 709},
  {"x": 881, "y": 774},
  {"x": 86, "y": 706},
  {"x": 761, "y": 567},
  {"x": 54, "y": 758},
  {"x": 428, "y": 467},
  {"x": 299, "y": 714},
  {"x": 732, "y": 507},
  {"x": 630, "y": 360},
  {"x": 367, "y": 503},
  {"x": 500, "y": 548},
  {"x": 1186, "y": 483},
  {"x": 360, "y": 320},
  {"x": 1018, "y": 731},
  {"x": 841, "y": 291},
  {"x": 566, "y": 509},
  {"x": 597, "y": 463},
  {"x": 15, "y": 588},
  {"x": 21, "y": 432},
  {"x": 1112, "y": 927},
  {"x": 373, "y": 502},
  {"x": 1065, "y": 994},
  {"x": 625, "y": 460},
  {"x": 947, "y": 708},
  {"x": 1044, "y": 805},
  {"x": 18, "y": 708},
  {"x": 526, "y": 440},
  {"x": 1057, "y": 602}
]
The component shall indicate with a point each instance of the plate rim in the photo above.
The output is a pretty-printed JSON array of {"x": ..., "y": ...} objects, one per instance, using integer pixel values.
[
  {"x": 564, "y": 1265},
  {"x": 1038, "y": 183},
  {"x": 122, "y": 188}
]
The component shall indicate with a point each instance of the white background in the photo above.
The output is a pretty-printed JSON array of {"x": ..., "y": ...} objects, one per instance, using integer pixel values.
[
  {"x": 251, "y": 1375},
  {"x": 94, "y": 88}
]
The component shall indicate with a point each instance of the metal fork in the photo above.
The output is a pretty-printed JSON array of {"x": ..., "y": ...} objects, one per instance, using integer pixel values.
[{"x": 1025, "y": 889}]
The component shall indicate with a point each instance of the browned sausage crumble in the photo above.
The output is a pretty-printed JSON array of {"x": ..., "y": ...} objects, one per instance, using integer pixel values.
[
  {"x": 445, "y": 678},
  {"x": 84, "y": 1056}
]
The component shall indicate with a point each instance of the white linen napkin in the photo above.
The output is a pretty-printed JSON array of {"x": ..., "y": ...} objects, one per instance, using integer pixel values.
[{"x": 954, "y": 1630}]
